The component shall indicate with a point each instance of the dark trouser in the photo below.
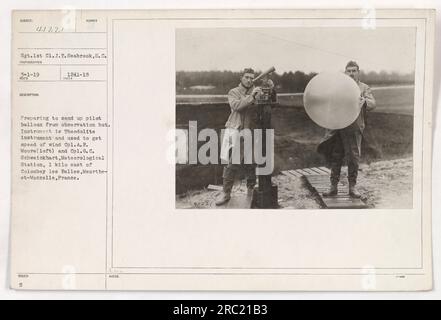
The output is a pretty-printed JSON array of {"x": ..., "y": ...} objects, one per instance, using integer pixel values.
[
  {"x": 347, "y": 144},
  {"x": 231, "y": 171}
]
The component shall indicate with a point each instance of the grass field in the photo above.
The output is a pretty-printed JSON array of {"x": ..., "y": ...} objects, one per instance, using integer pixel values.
[
  {"x": 384, "y": 185},
  {"x": 388, "y": 135}
]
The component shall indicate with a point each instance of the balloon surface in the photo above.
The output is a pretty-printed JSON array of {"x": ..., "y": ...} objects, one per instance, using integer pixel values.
[{"x": 331, "y": 100}]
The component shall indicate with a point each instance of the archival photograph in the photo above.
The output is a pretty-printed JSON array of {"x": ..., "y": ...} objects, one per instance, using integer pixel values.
[
  {"x": 295, "y": 118},
  {"x": 222, "y": 150}
]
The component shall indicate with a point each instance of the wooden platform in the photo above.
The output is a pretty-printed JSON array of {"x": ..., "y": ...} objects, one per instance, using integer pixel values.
[
  {"x": 298, "y": 173},
  {"x": 318, "y": 181}
]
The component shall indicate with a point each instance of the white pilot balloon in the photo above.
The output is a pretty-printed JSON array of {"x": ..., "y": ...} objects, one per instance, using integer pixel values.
[{"x": 331, "y": 100}]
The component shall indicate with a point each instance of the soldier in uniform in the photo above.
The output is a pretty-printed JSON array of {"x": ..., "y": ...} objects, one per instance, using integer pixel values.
[
  {"x": 243, "y": 116},
  {"x": 346, "y": 142}
]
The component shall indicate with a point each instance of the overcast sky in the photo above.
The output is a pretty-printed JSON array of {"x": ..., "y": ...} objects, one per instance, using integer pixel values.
[{"x": 290, "y": 49}]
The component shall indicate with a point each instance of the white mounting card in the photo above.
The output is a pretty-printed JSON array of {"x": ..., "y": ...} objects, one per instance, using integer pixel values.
[{"x": 119, "y": 126}]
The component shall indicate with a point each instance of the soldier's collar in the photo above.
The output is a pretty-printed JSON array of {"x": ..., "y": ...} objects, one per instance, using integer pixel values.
[{"x": 245, "y": 90}]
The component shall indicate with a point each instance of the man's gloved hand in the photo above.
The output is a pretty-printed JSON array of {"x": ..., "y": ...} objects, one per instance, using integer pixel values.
[{"x": 362, "y": 101}]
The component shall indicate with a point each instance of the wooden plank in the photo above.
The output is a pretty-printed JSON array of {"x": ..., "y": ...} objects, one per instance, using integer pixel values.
[
  {"x": 314, "y": 177},
  {"x": 342, "y": 195},
  {"x": 341, "y": 206},
  {"x": 325, "y": 184},
  {"x": 319, "y": 171},
  {"x": 319, "y": 180},
  {"x": 320, "y": 183},
  {"x": 289, "y": 174},
  {"x": 325, "y": 169},
  {"x": 333, "y": 203},
  {"x": 318, "y": 177},
  {"x": 326, "y": 189},
  {"x": 311, "y": 172},
  {"x": 302, "y": 172},
  {"x": 298, "y": 175},
  {"x": 345, "y": 200},
  {"x": 214, "y": 187},
  {"x": 342, "y": 199}
]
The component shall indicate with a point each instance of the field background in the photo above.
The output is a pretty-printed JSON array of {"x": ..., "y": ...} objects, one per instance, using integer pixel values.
[
  {"x": 390, "y": 99},
  {"x": 388, "y": 135}
]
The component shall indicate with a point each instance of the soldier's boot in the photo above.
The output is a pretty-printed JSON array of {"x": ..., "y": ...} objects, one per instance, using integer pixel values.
[
  {"x": 226, "y": 194},
  {"x": 223, "y": 199},
  {"x": 251, "y": 184},
  {"x": 332, "y": 192},
  {"x": 353, "y": 192},
  {"x": 335, "y": 178}
]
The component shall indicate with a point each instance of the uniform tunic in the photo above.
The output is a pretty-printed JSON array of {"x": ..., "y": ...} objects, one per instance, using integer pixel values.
[
  {"x": 243, "y": 116},
  {"x": 346, "y": 142}
]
